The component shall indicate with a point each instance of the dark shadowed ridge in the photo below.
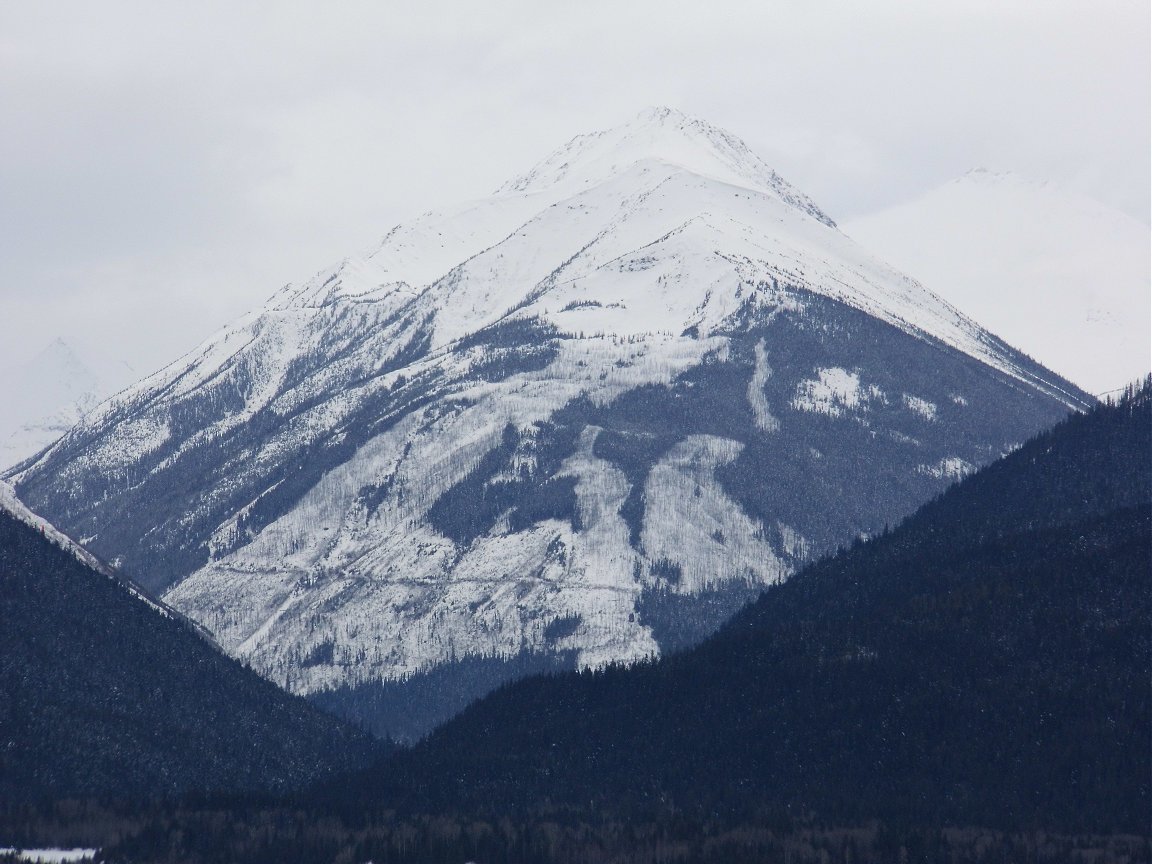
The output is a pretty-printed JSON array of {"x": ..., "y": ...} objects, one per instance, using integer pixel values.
[
  {"x": 985, "y": 663},
  {"x": 103, "y": 695}
]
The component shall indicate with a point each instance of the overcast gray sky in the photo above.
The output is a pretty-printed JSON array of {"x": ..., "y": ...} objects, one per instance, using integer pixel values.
[{"x": 165, "y": 167}]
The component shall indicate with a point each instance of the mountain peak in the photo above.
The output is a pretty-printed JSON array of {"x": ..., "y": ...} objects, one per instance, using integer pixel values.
[
  {"x": 990, "y": 177},
  {"x": 662, "y": 113},
  {"x": 660, "y": 134},
  {"x": 980, "y": 172},
  {"x": 491, "y": 436},
  {"x": 59, "y": 353}
]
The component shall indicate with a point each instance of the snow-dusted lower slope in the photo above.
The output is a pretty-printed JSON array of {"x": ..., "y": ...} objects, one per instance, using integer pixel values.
[
  {"x": 647, "y": 378},
  {"x": 1061, "y": 276}
]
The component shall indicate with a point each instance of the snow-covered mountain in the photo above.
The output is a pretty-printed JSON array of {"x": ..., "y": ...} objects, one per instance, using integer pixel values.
[
  {"x": 1060, "y": 275},
  {"x": 582, "y": 418},
  {"x": 44, "y": 398}
]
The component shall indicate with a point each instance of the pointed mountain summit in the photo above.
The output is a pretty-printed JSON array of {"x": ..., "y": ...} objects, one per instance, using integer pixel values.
[
  {"x": 577, "y": 422},
  {"x": 660, "y": 134}
]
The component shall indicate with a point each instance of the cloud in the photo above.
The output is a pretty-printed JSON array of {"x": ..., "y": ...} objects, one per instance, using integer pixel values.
[{"x": 164, "y": 168}]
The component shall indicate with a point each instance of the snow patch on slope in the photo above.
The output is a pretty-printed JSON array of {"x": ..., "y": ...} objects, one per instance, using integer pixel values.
[
  {"x": 604, "y": 559},
  {"x": 919, "y": 406},
  {"x": 756, "y": 398},
  {"x": 50, "y": 856},
  {"x": 691, "y": 522},
  {"x": 833, "y": 392},
  {"x": 950, "y": 468}
]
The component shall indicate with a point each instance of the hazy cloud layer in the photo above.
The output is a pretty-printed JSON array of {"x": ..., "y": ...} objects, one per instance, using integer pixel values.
[{"x": 163, "y": 170}]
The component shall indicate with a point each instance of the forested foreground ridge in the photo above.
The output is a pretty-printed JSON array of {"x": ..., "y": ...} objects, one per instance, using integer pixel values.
[
  {"x": 986, "y": 662},
  {"x": 105, "y": 694}
]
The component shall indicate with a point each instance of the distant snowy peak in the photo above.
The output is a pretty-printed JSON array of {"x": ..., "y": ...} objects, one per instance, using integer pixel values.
[
  {"x": 60, "y": 361},
  {"x": 1047, "y": 196},
  {"x": 1054, "y": 272},
  {"x": 991, "y": 176},
  {"x": 661, "y": 134},
  {"x": 43, "y": 398}
]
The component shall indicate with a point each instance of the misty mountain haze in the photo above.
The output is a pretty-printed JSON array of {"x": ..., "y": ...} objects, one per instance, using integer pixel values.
[{"x": 1061, "y": 276}]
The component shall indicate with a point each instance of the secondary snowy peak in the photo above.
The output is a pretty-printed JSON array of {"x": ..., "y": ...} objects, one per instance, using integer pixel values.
[
  {"x": 1056, "y": 273},
  {"x": 43, "y": 398},
  {"x": 990, "y": 176},
  {"x": 661, "y": 134},
  {"x": 59, "y": 359}
]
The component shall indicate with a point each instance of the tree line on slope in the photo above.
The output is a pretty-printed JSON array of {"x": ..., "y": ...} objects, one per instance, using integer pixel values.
[{"x": 987, "y": 662}]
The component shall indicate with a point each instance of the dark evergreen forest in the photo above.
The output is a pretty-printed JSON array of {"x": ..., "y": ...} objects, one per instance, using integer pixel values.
[
  {"x": 102, "y": 696},
  {"x": 985, "y": 663}
]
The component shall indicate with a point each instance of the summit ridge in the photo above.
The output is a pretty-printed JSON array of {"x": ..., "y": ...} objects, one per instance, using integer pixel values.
[{"x": 665, "y": 135}]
